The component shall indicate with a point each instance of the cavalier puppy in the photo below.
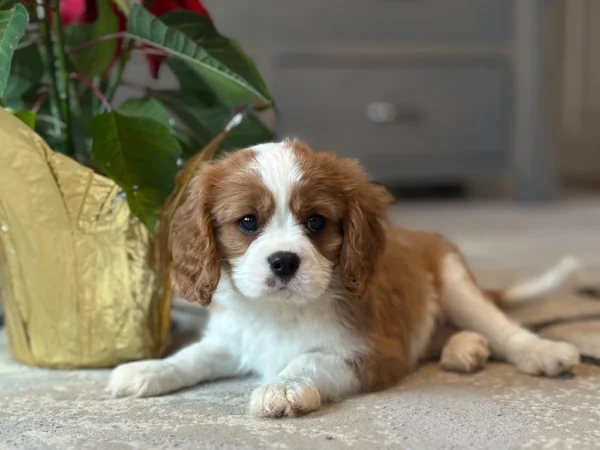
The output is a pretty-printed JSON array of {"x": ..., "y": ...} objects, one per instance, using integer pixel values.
[{"x": 310, "y": 288}]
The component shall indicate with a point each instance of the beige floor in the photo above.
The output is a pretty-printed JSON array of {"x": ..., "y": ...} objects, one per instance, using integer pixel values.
[{"x": 496, "y": 408}]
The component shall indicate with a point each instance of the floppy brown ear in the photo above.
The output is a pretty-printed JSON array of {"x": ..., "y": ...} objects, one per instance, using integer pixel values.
[
  {"x": 196, "y": 268},
  {"x": 364, "y": 236}
]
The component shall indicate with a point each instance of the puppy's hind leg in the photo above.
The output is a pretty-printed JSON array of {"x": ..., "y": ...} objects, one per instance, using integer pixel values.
[{"x": 467, "y": 307}]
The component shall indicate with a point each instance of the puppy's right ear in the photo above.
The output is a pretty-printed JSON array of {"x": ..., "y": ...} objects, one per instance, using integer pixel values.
[{"x": 196, "y": 266}]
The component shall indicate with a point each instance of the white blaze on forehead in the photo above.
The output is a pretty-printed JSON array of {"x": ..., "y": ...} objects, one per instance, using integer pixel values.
[{"x": 280, "y": 172}]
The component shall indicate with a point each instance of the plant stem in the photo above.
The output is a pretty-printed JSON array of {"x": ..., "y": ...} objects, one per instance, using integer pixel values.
[
  {"x": 106, "y": 37},
  {"x": 62, "y": 77},
  {"x": 39, "y": 102},
  {"x": 51, "y": 119},
  {"x": 95, "y": 82},
  {"x": 89, "y": 83},
  {"x": 116, "y": 76},
  {"x": 114, "y": 79},
  {"x": 32, "y": 80},
  {"x": 43, "y": 19},
  {"x": 26, "y": 43}
]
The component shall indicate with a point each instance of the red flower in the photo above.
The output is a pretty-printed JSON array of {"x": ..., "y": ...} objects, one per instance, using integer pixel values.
[
  {"x": 71, "y": 11},
  {"x": 77, "y": 12},
  {"x": 160, "y": 7}
]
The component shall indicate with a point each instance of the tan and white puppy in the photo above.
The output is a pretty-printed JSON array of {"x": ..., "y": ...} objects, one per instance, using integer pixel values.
[{"x": 310, "y": 288}]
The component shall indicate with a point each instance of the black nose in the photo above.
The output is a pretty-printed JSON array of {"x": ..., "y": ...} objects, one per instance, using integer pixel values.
[{"x": 284, "y": 264}]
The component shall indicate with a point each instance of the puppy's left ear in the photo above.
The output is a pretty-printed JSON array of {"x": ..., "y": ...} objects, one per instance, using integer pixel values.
[{"x": 364, "y": 235}]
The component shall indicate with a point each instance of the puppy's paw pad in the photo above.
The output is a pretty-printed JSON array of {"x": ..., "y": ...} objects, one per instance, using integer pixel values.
[
  {"x": 465, "y": 352},
  {"x": 287, "y": 398},
  {"x": 544, "y": 357},
  {"x": 137, "y": 379}
]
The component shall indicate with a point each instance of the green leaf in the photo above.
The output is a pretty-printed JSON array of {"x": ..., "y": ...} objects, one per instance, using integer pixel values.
[
  {"x": 232, "y": 88},
  {"x": 8, "y": 4},
  {"x": 250, "y": 132},
  {"x": 140, "y": 155},
  {"x": 27, "y": 117},
  {"x": 189, "y": 146},
  {"x": 12, "y": 28},
  {"x": 149, "y": 108},
  {"x": 210, "y": 120},
  {"x": 27, "y": 74},
  {"x": 16, "y": 89},
  {"x": 93, "y": 60},
  {"x": 27, "y": 70},
  {"x": 177, "y": 104},
  {"x": 146, "y": 107},
  {"x": 201, "y": 30},
  {"x": 124, "y": 6},
  {"x": 191, "y": 82}
]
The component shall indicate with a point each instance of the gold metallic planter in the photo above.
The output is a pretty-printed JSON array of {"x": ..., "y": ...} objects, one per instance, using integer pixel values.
[{"x": 77, "y": 287}]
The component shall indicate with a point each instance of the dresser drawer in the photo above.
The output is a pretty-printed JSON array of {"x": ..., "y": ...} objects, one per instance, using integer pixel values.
[
  {"x": 343, "y": 22},
  {"x": 388, "y": 116}
]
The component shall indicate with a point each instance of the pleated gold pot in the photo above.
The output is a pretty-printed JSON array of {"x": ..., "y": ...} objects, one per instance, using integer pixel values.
[{"x": 78, "y": 287}]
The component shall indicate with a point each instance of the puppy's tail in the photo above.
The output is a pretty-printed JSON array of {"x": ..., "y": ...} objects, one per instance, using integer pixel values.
[{"x": 563, "y": 276}]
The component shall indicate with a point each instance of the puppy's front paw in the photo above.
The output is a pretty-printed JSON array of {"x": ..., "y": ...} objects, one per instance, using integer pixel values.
[
  {"x": 465, "y": 352},
  {"x": 139, "y": 379},
  {"x": 287, "y": 397},
  {"x": 544, "y": 357}
]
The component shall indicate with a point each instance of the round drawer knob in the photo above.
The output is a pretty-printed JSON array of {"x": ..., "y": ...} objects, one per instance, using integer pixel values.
[{"x": 381, "y": 112}]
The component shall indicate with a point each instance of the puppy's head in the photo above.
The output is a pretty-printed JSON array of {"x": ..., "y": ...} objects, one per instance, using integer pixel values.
[{"x": 284, "y": 222}]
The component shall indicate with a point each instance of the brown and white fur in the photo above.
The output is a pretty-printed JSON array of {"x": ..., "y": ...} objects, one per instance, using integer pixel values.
[{"x": 364, "y": 303}]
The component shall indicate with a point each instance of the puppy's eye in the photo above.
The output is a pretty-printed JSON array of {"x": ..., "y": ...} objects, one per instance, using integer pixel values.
[
  {"x": 315, "y": 223},
  {"x": 248, "y": 224}
]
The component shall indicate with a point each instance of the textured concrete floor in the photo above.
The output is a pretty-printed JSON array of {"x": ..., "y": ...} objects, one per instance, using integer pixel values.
[{"x": 496, "y": 408}]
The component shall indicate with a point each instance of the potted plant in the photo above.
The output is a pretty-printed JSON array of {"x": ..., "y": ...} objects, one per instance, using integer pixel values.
[{"x": 88, "y": 186}]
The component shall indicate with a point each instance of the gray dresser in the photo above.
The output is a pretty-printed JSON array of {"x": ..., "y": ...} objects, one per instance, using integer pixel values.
[{"x": 419, "y": 90}]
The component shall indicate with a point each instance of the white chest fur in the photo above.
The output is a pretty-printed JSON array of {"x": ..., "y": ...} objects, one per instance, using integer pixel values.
[{"x": 266, "y": 336}]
